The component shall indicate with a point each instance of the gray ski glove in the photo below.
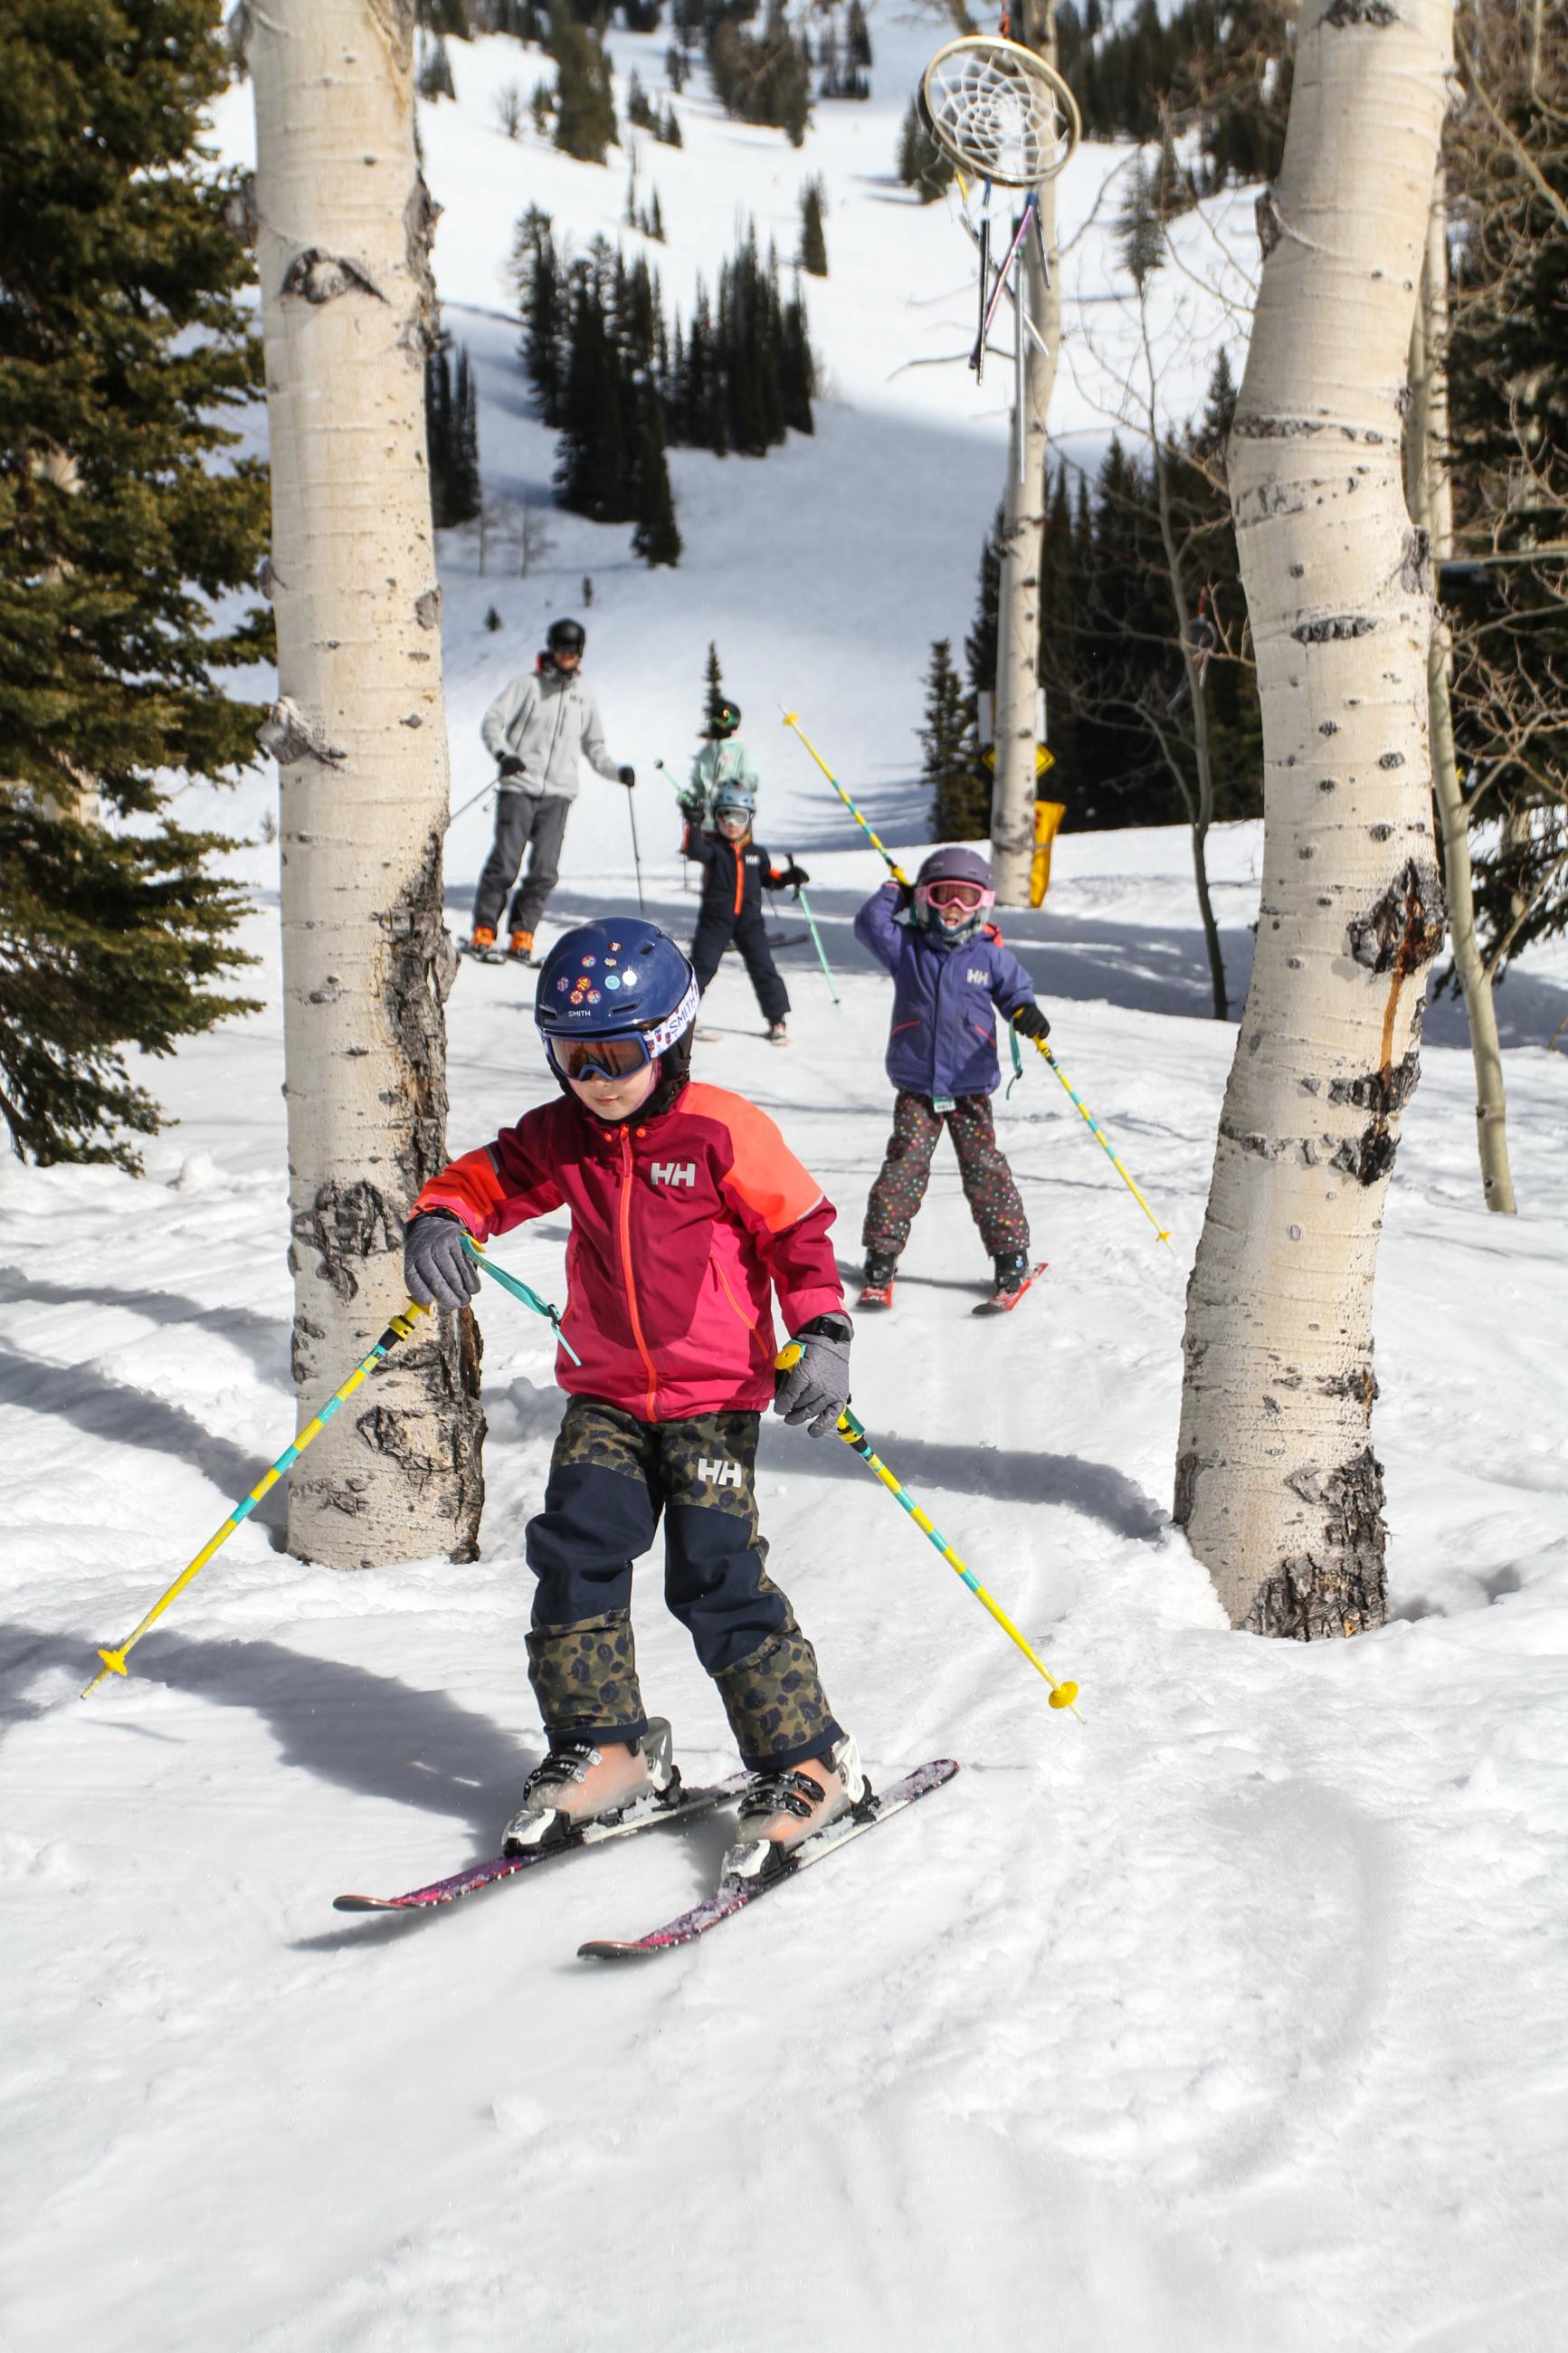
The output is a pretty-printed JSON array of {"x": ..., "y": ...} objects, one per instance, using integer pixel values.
[
  {"x": 815, "y": 1389},
  {"x": 435, "y": 1267}
]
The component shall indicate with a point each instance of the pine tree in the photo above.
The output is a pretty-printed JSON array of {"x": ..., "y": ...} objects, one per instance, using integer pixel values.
[
  {"x": 858, "y": 38},
  {"x": 961, "y": 792},
  {"x": 714, "y": 697},
  {"x": 922, "y": 165},
  {"x": 813, "y": 243},
  {"x": 122, "y": 344},
  {"x": 536, "y": 277},
  {"x": 1140, "y": 232},
  {"x": 655, "y": 539},
  {"x": 584, "y": 105},
  {"x": 980, "y": 645},
  {"x": 434, "y": 79},
  {"x": 463, "y": 493}
]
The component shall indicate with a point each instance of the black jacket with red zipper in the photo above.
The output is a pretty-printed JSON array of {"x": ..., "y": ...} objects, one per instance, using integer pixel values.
[{"x": 734, "y": 874}]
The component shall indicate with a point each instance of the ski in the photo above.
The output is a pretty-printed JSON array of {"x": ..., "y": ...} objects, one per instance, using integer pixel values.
[
  {"x": 483, "y": 956},
  {"x": 684, "y": 1806},
  {"x": 1001, "y": 1302},
  {"x": 734, "y": 1894}
]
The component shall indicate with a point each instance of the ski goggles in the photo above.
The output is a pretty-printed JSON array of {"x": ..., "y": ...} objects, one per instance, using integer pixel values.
[
  {"x": 968, "y": 898},
  {"x": 599, "y": 1058}
]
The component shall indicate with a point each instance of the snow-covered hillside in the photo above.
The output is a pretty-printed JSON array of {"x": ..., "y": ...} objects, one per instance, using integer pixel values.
[{"x": 1229, "y": 2016}]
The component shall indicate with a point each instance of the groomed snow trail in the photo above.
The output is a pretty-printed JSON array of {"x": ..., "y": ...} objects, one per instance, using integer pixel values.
[{"x": 1232, "y": 2015}]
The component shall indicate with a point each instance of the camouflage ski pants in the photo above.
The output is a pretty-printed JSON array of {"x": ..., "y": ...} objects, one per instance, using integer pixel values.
[
  {"x": 987, "y": 1180},
  {"x": 611, "y": 1478}
]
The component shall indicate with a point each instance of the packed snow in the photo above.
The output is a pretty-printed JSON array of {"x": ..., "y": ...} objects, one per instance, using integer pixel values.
[{"x": 1230, "y": 2014}]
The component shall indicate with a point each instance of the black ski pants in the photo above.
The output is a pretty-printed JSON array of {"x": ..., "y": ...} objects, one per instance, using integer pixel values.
[
  {"x": 612, "y": 1478},
  {"x": 988, "y": 1185},
  {"x": 715, "y": 929},
  {"x": 534, "y": 822}
]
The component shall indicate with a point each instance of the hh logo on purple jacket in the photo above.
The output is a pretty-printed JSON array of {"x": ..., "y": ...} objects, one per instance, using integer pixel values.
[{"x": 944, "y": 1036}]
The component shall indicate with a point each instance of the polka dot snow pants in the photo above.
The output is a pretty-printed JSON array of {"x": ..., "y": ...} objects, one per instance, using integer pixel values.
[{"x": 988, "y": 1185}]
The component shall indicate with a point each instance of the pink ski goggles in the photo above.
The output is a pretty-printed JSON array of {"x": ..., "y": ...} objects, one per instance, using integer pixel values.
[{"x": 955, "y": 897}]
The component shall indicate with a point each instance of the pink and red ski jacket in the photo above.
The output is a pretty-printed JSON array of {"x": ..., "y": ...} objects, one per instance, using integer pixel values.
[{"x": 682, "y": 1228}]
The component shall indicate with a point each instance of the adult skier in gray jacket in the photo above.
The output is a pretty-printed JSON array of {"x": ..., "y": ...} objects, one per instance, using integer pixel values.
[{"x": 537, "y": 728}]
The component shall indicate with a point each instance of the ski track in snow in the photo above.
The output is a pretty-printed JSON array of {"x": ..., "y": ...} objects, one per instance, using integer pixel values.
[{"x": 1229, "y": 2017}]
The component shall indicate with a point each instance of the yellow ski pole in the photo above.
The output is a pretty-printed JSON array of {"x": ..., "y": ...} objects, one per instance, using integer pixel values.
[
  {"x": 1161, "y": 1231},
  {"x": 894, "y": 869},
  {"x": 852, "y": 1430},
  {"x": 398, "y": 1329}
]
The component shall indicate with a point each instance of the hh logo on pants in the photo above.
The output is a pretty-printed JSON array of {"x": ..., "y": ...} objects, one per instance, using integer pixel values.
[
  {"x": 718, "y": 1473},
  {"x": 673, "y": 1172}
]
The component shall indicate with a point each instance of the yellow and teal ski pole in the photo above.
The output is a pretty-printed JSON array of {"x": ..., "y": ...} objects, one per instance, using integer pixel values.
[
  {"x": 399, "y": 1328},
  {"x": 816, "y": 942},
  {"x": 1162, "y": 1232},
  {"x": 894, "y": 869},
  {"x": 852, "y": 1430}
]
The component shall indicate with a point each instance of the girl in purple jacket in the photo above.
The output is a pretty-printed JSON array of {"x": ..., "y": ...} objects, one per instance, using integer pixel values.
[{"x": 950, "y": 971}]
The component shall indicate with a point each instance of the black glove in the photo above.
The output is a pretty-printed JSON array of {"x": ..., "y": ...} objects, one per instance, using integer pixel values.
[
  {"x": 815, "y": 1389},
  {"x": 1030, "y": 1022},
  {"x": 628, "y": 776},
  {"x": 792, "y": 877},
  {"x": 436, "y": 1268},
  {"x": 509, "y": 765}
]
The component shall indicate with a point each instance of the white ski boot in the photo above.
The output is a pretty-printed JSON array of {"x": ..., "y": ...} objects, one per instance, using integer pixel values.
[
  {"x": 785, "y": 1807},
  {"x": 579, "y": 1784}
]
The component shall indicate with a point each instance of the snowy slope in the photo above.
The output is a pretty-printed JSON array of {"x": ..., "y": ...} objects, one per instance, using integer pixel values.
[{"x": 1229, "y": 2017}]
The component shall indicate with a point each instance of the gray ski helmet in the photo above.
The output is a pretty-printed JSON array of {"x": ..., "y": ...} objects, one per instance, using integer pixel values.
[
  {"x": 734, "y": 796},
  {"x": 956, "y": 865},
  {"x": 565, "y": 638}
]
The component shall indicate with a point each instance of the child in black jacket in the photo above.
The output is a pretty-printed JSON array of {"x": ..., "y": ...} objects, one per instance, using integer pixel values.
[{"x": 735, "y": 872}]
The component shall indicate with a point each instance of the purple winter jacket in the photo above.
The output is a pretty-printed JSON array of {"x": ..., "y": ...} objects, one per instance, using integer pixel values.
[{"x": 944, "y": 1036}]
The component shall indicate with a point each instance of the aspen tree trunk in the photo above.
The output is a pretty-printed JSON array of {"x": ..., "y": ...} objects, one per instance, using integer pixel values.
[
  {"x": 359, "y": 734},
  {"x": 1431, "y": 499},
  {"x": 1023, "y": 544},
  {"x": 1276, "y": 1485}
]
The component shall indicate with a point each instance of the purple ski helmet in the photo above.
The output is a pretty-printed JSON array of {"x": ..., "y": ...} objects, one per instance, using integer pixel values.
[{"x": 953, "y": 891}]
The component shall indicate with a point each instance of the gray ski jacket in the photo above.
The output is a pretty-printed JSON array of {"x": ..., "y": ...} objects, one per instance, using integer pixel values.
[{"x": 546, "y": 720}]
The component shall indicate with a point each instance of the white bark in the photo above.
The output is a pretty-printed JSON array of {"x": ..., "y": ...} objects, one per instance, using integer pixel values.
[
  {"x": 1432, "y": 504},
  {"x": 359, "y": 734},
  {"x": 1023, "y": 544},
  {"x": 1276, "y": 1481}
]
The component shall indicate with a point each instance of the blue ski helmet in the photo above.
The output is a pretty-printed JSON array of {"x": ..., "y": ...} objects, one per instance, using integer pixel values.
[{"x": 619, "y": 978}]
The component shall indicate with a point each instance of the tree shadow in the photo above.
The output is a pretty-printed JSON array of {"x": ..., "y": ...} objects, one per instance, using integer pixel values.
[
  {"x": 263, "y": 1338},
  {"x": 1001, "y": 1476},
  {"x": 343, "y": 1725},
  {"x": 100, "y": 1407}
]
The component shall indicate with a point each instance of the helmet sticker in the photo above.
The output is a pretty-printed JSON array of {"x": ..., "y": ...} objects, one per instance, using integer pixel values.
[{"x": 612, "y": 980}]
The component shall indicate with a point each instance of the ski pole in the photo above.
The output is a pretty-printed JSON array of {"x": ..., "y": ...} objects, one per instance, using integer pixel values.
[
  {"x": 636, "y": 854},
  {"x": 399, "y": 1328},
  {"x": 815, "y": 939},
  {"x": 483, "y": 794},
  {"x": 1093, "y": 1125},
  {"x": 894, "y": 869},
  {"x": 668, "y": 775},
  {"x": 852, "y": 1430}
]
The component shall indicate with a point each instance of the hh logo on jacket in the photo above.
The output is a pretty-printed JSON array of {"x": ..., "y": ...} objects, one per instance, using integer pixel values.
[
  {"x": 978, "y": 973},
  {"x": 673, "y": 1172}
]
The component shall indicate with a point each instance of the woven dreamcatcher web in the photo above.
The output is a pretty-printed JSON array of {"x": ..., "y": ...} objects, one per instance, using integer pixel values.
[{"x": 1002, "y": 113}]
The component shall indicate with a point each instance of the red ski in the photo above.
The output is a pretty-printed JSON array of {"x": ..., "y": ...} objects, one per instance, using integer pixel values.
[{"x": 1001, "y": 1302}]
